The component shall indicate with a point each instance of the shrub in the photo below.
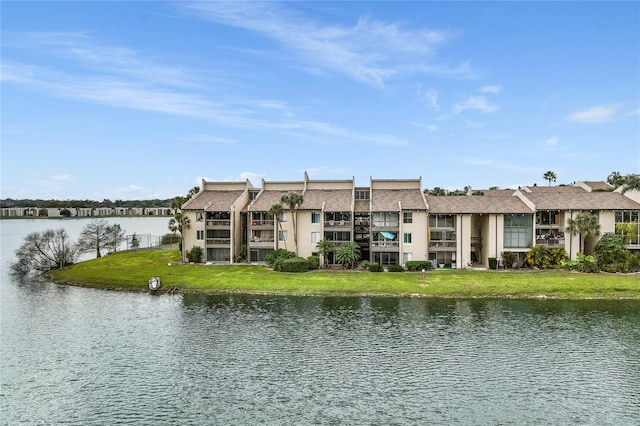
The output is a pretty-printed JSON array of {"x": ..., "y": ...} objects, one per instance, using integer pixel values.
[
  {"x": 295, "y": 264},
  {"x": 396, "y": 268},
  {"x": 508, "y": 258},
  {"x": 195, "y": 254},
  {"x": 275, "y": 258},
  {"x": 538, "y": 257},
  {"x": 419, "y": 265},
  {"x": 314, "y": 262},
  {"x": 611, "y": 254},
  {"x": 374, "y": 267},
  {"x": 557, "y": 255},
  {"x": 364, "y": 264}
]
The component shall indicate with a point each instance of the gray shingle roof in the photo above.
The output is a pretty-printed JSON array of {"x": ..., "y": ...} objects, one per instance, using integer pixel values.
[
  {"x": 217, "y": 200},
  {"x": 476, "y": 204},
  {"x": 266, "y": 199},
  {"x": 553, "y": 189},
  {"x": 335, "y": 200},
  {"x": 582, "y": 201},
  {"x": 387, "y": 199}
]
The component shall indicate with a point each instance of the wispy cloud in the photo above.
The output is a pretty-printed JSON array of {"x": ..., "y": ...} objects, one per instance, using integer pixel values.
[
  {"x": 432, "y": 96},
  {"x": 596, "y": 114},
  {"x": 369, "y": 51},
  {"x": 210, "y": 139},
  {"x": 63, "y": 177},
  {"x": 478, "y": 103},
  {"x": 491, "y": 89},
  {"x": 552, "y": 141}
]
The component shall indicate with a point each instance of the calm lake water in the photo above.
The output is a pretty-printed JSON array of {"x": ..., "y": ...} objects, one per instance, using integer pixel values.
[{"x": 89, "y": 357}]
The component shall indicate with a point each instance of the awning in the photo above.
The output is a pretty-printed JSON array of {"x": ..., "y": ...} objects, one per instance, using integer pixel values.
[{"x": 388, "y": 235}]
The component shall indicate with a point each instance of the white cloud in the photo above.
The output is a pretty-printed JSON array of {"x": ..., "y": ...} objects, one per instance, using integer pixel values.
[
  {"x": 551, "y": 141},
  {"x": 478, "y": 103},
  {"x": 211, "y": 139},
  {"x": 63, "y": 177},
  {"x": 491, "y": 89},
  {"x": 432, "y": 96},
  {"x": 369, "y": 51},
  {"x": 596, "y": 114}
]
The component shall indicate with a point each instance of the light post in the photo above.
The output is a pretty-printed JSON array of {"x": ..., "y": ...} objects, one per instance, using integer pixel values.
[
  {"x": 423, "y": 271},
  {"x": 169, "y": 264}
]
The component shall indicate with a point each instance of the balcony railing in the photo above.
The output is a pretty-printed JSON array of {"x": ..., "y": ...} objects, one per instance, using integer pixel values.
[
  {"x": 441, "y": 243},
  {"x": 337, "y": 224},
  {"x": 261, "y": 242},
  {"x": 261, "y": 222},
  {"x": 219, "y": 222},
  {"x": 385, "y": 244},
  {"x": 550, "y": 242},
  {"x": 218, "y": 241}
]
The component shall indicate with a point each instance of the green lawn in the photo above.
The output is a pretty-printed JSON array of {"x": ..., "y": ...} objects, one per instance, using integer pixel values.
[{"x": 131, "y": 271}]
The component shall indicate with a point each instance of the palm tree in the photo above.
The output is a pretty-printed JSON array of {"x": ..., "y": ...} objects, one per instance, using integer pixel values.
[
  {"x": 615, "y": 179},
  {"x": 180, "y": 223},
  {"x": 293, "y": 200},
  {"x": 324, "y": 247},
  {"x": 276, "y": 211},
  {"x": 348, "y": 254},
  {"x": 631, "y": 183},
  {"x": 585, "y": 225},
  {"x": 550, "y": 176}
]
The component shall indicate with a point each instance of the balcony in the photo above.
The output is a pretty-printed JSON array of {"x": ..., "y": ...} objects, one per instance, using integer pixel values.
[
  {"x": 261, "y": 242},
  {"x": 385, "y": 244},
  {"x": 442, "y": 244},
  {"x": 219, "y": 242},
  {"x": 262, "y": 223},
  {"x": 550, "y": 242},
  {"x": 218, "y": 223},
  {"x": 337, "y": 224}
]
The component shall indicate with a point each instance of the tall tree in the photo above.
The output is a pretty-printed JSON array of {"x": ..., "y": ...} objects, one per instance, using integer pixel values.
[
  {"x": 549, "y": 176},
  {"x": 44, "y": 251},
  {"x": 115, "y": 237},
  {"x": 585, "y": 225},
  {"x": 95, "y": 236},
  {"x": 631, "y": 183},
  {"x": 324, "y": 247},
  {"x": 276, "y": 211},
  {"x": 180, "y": 223},
  {"x": 293, "y": 200},
  {"x": 615, "y": 179}
]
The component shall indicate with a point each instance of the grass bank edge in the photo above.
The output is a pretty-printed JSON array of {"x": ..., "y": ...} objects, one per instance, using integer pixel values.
[{"x": 130, "y": 271}]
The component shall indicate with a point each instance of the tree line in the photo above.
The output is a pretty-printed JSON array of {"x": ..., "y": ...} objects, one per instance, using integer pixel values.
[{"x": 39, "y": 203}]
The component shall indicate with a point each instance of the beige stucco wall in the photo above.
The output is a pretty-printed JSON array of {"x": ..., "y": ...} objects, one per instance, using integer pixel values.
[
  {"x": 305, "y": 228},
  {"x": 418, "y": 231},
  {"x": 190, "y": 235}
]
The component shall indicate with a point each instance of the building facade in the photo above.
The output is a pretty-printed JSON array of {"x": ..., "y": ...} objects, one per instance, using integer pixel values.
[{"x": 393, "y": 221}]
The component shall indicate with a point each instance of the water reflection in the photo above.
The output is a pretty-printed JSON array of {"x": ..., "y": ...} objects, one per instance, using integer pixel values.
[{"x": 84, "y": 356}]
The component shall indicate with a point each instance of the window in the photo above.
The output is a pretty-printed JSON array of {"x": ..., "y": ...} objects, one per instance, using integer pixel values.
[
  {"x": 628, "y": 224},
  {"x": 387, "y": 219},
  {"x": 282, "y": 235},
  {"x": 441, "y": 221},
  {"x": 407, "y": 217},
  {"x": 407, "y": 257},
  {"x": 407, "y": 238},
  {"x": 199, "y": 216},
  {"x": 362, "y": 194},
  {"x": 315, "y": 237},
  {"x": 283, "y": 217},
  {"x": 315, "y": 217},
  {"x": 518, "y": 231},
  {"x": 200, "y": 235}
]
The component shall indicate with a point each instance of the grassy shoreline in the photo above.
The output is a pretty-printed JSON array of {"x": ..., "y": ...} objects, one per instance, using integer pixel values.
[{"x": 130, "y": 271}]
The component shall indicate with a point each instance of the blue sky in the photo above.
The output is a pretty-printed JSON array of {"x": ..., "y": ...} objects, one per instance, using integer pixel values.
[{"x": 139, "y": 100}]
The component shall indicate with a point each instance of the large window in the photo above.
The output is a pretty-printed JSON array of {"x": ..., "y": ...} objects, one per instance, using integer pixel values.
[
  {"x": 282, "y": 235},
  {"x": 386, "y": 258},
  {"x": 441, "y": 221},
  {"x": 407, "y": 217},
  {"x": 362, "y": 194},
  {"x": 199, "y": 235},
  {"x": 518, "y": 231},
  {"x": 407, "y": 257},
  {"x": 388, "y": 219},
  {"x": 628, "y": 225},
  {"x": 315, "y": 217},
  {"x": 407, "y": 238},
  {"x": 315, "y": 237}
]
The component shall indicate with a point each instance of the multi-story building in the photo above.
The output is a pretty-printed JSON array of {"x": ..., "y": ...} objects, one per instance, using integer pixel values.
[{"x": 393, "y": 222}]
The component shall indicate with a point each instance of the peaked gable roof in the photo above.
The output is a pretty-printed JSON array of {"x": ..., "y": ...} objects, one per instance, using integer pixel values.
[{"x": 476, "y": 204}]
